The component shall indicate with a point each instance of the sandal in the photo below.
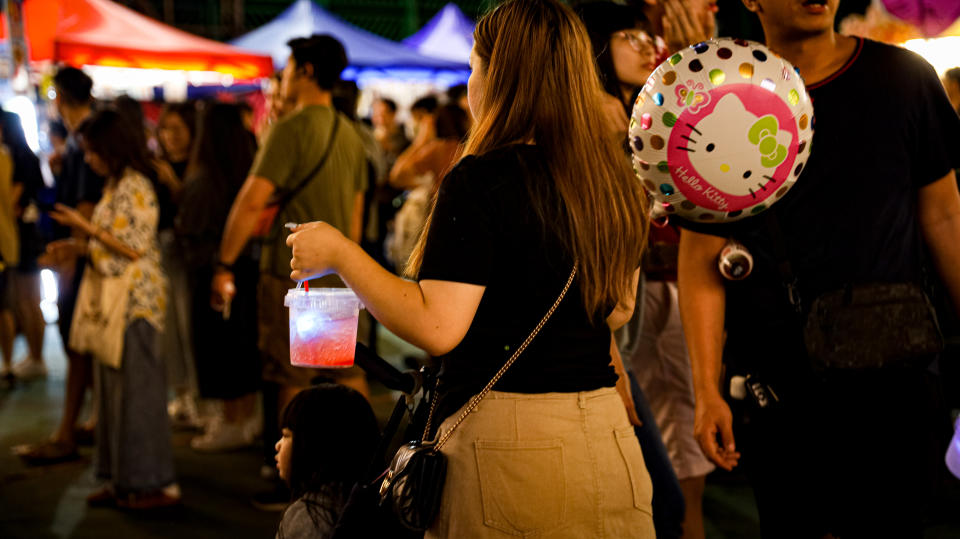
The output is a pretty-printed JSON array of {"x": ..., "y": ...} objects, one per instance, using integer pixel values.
[
  {"x": 103, "y": 497},
  {"x": 44, "y": 453},
  {"x": 154, "y": 499}
]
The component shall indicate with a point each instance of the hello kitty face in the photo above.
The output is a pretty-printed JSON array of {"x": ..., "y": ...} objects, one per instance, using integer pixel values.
[{"x": 735, "y": 150}]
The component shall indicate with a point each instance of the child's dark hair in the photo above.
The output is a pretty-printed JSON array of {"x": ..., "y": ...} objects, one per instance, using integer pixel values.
[{"x": 335, "y": 436}]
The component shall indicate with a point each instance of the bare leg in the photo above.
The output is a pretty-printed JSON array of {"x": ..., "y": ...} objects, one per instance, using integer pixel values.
[
  {"x": 692, "y": 488},
  {"x": 6, "y": 339},
  {"x": 79, "y": 378},
  {"x": 29, "y": 314}
]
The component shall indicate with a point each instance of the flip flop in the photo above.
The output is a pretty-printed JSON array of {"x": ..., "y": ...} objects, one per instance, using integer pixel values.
[{"x": 48, "y": 452}]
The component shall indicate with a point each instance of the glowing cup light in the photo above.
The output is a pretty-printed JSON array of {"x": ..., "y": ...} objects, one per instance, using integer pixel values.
[
  {"x": 953, "y": 452},
  {"x": 323, "y": 326}
]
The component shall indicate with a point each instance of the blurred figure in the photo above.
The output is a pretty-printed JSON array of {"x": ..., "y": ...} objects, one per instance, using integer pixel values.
[
  {"x": 176, "y": 129},
  {"x": 224, "y": 344},
  {"x": 387, "y": 131},
  {"x": 314, "y": 153},
  {"x": 681, "y": 23},
  {"x": 321, "y": 474},
  {"x": 58, "y": 141},
  {"x": 951, "y": 81},
  {"x": 457, "y": 94},
  {"x": 418, "y": 170},
  {"x": 432, "y": 158},
  {"x": 176, "y": 132},
  {"x": 421, "y": 116},
  {"x": 9, "y": 257},
  {"x": 24, "y": 281},
  {"x": 134, "y": 457},
  {"x": 79, "y": 187},
  {"x": 345, "y": 97},
  {"x": 278, "y": 105}
]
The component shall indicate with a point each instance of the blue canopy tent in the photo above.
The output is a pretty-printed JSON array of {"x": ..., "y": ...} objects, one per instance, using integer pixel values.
[
  {"x": 369, "y": 55},
  {"x": 448, "y": 36}
]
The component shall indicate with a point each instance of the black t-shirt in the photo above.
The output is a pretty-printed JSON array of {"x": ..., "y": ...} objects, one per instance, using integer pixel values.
[
  {"x": 883, "y": 129},
  {"x": 77, "y": 182},
  {"x": 485, "y": 232}
]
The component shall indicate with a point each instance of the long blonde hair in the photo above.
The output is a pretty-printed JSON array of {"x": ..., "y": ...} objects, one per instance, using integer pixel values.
[{"x": 542, "y": 85}]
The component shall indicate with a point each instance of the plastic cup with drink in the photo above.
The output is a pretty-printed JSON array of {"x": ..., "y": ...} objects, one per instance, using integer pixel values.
[{"x": 323, "y": 326}]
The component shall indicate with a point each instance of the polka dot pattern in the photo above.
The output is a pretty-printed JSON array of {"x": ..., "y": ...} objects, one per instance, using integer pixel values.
[
  {"x": 696, "y": 78},
  {"x": 717, "y": 76},
  {"x": 793, "y": 98}
]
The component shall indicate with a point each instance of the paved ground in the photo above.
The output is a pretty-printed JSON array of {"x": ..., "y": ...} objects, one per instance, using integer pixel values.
[{"x": 46, "y": 502}]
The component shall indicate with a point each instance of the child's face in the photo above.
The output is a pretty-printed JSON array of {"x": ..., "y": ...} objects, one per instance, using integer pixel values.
[{"x": 284, "y": 455}]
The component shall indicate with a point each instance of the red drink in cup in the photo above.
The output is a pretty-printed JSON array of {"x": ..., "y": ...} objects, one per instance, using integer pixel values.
[{"x": 323, "y": 327}]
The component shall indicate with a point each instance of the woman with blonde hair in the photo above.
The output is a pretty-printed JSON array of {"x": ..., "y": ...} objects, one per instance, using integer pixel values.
[{"x": 542, "y": 200}]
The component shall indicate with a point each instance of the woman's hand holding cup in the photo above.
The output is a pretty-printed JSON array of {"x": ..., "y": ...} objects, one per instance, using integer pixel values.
[{"x": 316, "y": 247}]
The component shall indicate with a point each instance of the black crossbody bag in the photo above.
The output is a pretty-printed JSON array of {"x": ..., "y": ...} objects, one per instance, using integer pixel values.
[{"x": 863, "y": 325}]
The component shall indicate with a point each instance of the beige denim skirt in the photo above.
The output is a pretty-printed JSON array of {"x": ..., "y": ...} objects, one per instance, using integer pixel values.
[{"x": 551, "y": 465}]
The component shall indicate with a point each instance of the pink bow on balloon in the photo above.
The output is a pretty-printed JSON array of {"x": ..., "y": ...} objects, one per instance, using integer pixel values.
[{"x": 932, "y": 17}]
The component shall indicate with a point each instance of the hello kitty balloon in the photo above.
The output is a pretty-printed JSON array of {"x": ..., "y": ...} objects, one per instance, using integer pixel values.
[{"x": 721, "y": 130}]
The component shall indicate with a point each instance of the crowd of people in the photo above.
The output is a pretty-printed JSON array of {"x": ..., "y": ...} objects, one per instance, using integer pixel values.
[{"x": 508, "y": 195}]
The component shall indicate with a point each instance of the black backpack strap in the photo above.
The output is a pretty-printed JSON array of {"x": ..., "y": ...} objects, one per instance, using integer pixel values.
[{"x": 288, "y": 196}]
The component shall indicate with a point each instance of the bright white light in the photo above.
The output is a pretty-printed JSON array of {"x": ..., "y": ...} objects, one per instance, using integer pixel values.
[
  {"x": 110, "y": 82},
  {"x": 942, "y": 52},
  {"x": 51, "y": 93},
  {"x": 308, "y": 325},
  {"x": 24, "y": 108},
  {"x": 49, "y": 295}
]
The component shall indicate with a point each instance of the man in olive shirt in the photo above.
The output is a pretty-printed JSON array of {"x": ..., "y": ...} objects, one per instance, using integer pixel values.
[{"x": 319, "y": 158}]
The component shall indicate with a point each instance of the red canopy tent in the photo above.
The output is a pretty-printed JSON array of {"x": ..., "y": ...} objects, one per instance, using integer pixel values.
[{"x": 101, "y": 32}]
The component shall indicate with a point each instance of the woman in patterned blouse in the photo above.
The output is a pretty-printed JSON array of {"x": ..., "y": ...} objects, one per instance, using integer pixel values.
[{"x": 134, "y": 455}]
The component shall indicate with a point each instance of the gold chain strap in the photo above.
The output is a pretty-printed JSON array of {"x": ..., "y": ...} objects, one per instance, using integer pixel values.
[{"x": 496, "y": 377}]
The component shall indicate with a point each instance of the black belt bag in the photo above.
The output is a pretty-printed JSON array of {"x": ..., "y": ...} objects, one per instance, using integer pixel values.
[{"x": 872, "y": 326}]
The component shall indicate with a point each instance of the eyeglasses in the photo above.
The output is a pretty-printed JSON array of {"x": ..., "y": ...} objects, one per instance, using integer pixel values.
[{"x": 639, "y": 41}]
